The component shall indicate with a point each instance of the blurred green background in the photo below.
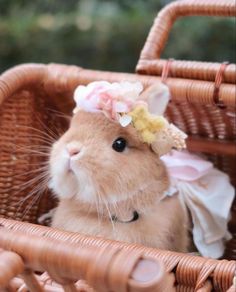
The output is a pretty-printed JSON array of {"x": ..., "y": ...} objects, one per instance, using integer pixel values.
[{"x": 100, "y": 34}]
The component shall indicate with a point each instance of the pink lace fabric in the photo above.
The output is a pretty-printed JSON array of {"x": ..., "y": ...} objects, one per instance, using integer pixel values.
[{"x": 207, "y": 193}]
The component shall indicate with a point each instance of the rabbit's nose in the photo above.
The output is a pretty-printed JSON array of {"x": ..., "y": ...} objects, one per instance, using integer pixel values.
[{"x": 73, "y": 150}]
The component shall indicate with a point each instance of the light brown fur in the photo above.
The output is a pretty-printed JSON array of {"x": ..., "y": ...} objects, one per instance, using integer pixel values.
[
  {"x": 161, "y": 226},
  {"x": 105, "y": 182}
]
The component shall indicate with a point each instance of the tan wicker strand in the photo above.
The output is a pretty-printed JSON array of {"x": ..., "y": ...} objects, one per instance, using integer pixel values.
[
  {"x": 159, "y": 33},
  {"x": 11, "y": 265},
  {"x": 222, "y": 280},
  {"x": 68, "y": 262},
  {"x": 166, "y": 70},
  {"x": 187, "y": 69},
  {"x": 24, "y": 75},
  {"x": 191, "y": 271},
  {"x": 193, "y": 91},
  {"x": 125, "y": 261},
  {"x": 96, "y": 275},
  {"x": 206, "y": 288},
  {"x": 188, "y": 276},
  {"x": 171, "y": 259},
  {"x": 31, "y": 281},
  {"x": 163, "y": 23},
  {"x": 17, "y": 284},
  {"x": 205, "y": 273},
  {"x": 218, "y": 81},
  {"x": 209, "y": 146},
  {"x": 21, "y": 127},
  {"x": 49, "y": 286}
]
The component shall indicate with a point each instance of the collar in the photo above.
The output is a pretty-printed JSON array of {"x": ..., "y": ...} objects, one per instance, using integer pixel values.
[{"x": 135, "y": 217}]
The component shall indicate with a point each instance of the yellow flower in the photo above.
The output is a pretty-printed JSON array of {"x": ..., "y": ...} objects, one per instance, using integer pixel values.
[{"x": 147, "y": 124}]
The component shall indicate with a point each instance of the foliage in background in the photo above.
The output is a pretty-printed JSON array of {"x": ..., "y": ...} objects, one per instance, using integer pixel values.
[{"x": 102, "y": 34}]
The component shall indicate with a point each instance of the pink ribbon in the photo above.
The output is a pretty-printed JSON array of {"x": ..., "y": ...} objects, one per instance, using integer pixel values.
[{"x": 185, "y": 166}]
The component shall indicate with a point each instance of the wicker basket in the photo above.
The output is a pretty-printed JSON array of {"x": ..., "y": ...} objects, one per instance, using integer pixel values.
[{"x": 31, "y": 98}]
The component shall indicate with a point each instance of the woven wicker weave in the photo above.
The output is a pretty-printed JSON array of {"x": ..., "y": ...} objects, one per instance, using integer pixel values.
[
  {"x": 31, "y": 98},
  {"x": 191, "y": 273}
]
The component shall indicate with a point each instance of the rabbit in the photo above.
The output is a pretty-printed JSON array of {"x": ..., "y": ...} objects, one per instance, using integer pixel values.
[{"x": 111, "y": 184}]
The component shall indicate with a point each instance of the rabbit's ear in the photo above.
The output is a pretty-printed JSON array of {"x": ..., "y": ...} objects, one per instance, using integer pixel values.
[{"x": 157, "y": 96}]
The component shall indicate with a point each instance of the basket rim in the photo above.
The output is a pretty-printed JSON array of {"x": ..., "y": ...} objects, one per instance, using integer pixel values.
[{"x": 65, "y": 78}]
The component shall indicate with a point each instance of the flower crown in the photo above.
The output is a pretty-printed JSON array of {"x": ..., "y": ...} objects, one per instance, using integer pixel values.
[{"x": 123, "y": 102}]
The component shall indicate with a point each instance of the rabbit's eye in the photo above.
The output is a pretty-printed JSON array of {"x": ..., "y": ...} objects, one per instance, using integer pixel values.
[{"x": 119, "y": 144}]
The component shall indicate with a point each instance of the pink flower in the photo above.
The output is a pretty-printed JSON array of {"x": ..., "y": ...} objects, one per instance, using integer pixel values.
[
  {"x": 113, "y": 99},
  {"x": 87, "y": 97}
]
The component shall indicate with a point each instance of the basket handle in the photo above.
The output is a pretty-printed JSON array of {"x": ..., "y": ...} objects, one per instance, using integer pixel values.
[
  {"x": 162, "y": 26},
  {"x": 166, "y": 18}
]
